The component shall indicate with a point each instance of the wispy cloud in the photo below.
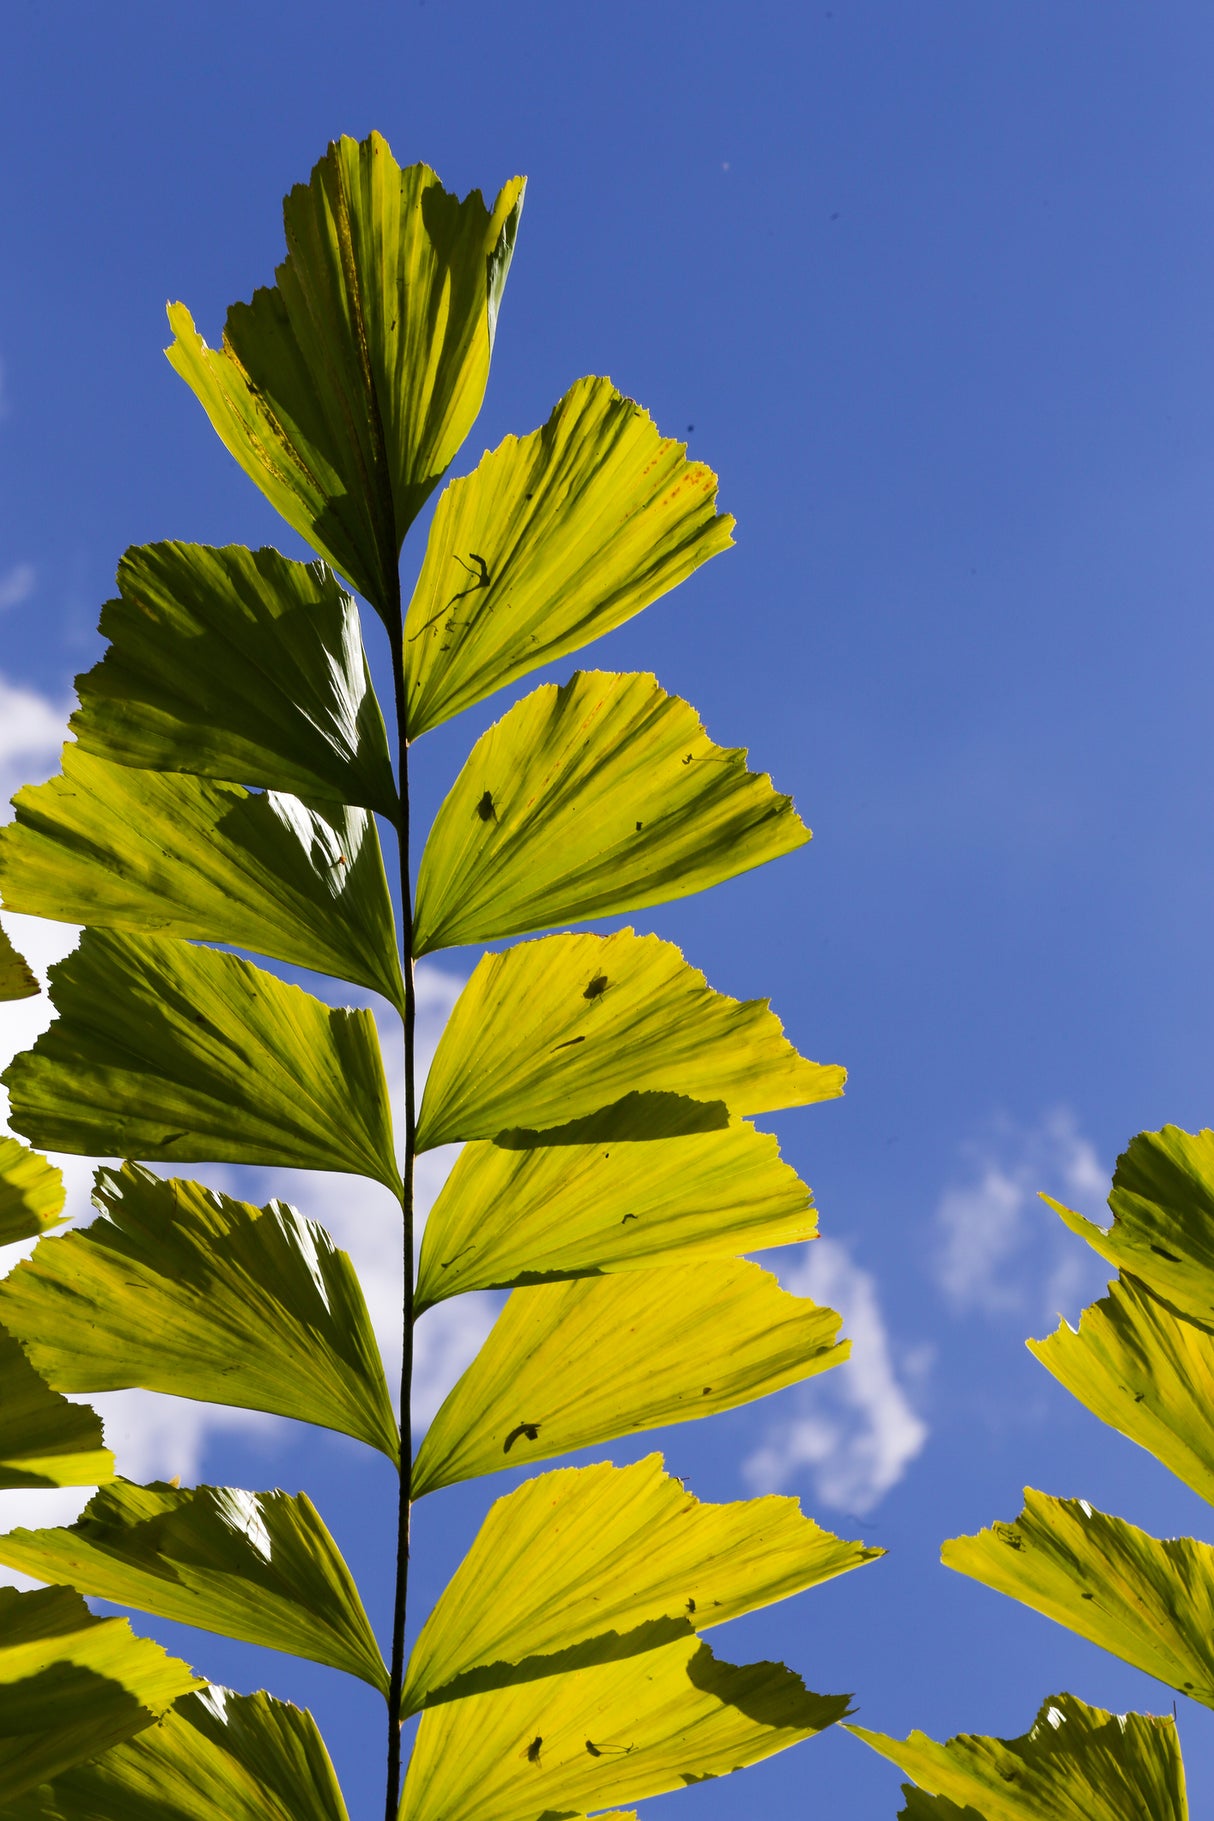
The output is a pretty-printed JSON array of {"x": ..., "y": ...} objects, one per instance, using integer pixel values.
[
  {"x": 32, "y": 730},
  {"x": 853, "y": 1432},
  {"x": 17, "y": 584},
  {"x": 999, "y": 1251}
]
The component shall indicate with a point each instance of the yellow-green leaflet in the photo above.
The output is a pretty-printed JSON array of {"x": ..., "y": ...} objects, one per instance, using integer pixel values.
[
  {"x": 629, "y": 1559},
  {"x": 616, "y": 1733},
  {"x": 237, "y": 664},
  {"x": 163, "y": 1050},
  {"x": 147, "y": 850},
  {"x": 919, "y": 1806},
  {"x": 1162, "y": 1201},
  {"x": 554, "y": 539},
  {"x": 44, "y": 1440},
  {"x": 256, "y": 1566},
  {"x": 601, "y": 796},
  {"x": 216, "y": 1756},
  {"x": 183, "y": 1290},
  {"x": 1145, "y": 1372},
  {"x": 31, "y": 1192},
  {"x": 72, "y": 1685},
  {"x": 520, "y": 1212},
  {"x": 556, "y": 1029},
  {"x": 17, "y": 978},
  {"x": 1147, "y": 1601},
  {"x": 1077, "y": 1763},
  {"x": 568, "y": 1365},
  {"x": 344, "y": 390}
]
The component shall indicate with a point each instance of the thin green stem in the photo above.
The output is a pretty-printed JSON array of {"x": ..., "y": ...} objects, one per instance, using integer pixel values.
[{"x": 401, "y": 1598}]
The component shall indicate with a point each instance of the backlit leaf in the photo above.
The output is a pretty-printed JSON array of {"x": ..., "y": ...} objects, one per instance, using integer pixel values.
[
  {"x": 166, "y": 1051},
  {"x": 256, "y": 1566},
  {"x": 184, "y": 1290},
  {"x": 629, "y": 1559},
  {"x": 615, "y": 1733},
  {"x": 345, "y": 390},
  {"x": 1077, "y": 1763},
  {"x": 17, "y": 978},
  {"x": 216, "y": 1754},
  {"x": 1145, "y": 1372},
  {"x": 568, "y": 1365},
  {"x": 72, "y": 1685},
  {"x": 556, "y": 1029},
  {"x": 600, "y": 796},
  {"x": 44, "y": 1440},
  {"x": 237, "y": 664},
  {"x": 145, "y": 850},
  {"x": 555, "y": 538},
  {"x": 31, "y": 1193},
  {"x": 1162, "y": 1201},
  {"x": 517, "y": 1212},
  {"x": 1148, "y": 1602}
]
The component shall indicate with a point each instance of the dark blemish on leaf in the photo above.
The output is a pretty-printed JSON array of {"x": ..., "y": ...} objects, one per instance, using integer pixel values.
[
  {"x": 533, "y": 1750},
  {"x": 530, "y": 1430},
  {"x": 596, "y": 1751},
  {"x": 628, "y": 1217},
  {"x": 568, "y": 1044},
  {"x": 593, "y": 1749},
  {"x": 1087, "y": 1596},
  {"x": 688, "y": 759},
  {"x": 597, "y": 987},
  {"x": 1138, "y": 1396},
  {"x": 485, "y": 809},
  {"x": 691, "y": 1605},
  {"x": 706, "y": 1390},
  {"x": 444, "y": 1264},
  {"x": 640, "y": 826},
  {"x": 1170, "y": 1256},
  {"x": 173, "y": 1137}
]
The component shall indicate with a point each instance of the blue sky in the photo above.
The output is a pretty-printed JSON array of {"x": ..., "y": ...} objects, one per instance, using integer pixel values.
[{"x": 930, "y": 287}]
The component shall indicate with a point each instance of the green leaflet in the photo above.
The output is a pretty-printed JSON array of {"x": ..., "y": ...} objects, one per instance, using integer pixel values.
[
  {"x": 615, "y": 1733},
  {"x": 1077, "y": 1763},
  {"x": 214, "y": 1755},
  {"x": 1145, "y": 1372},
  {"x": 627, "y": 1558},
  {"x": 17, "y": 978},
  {"x": 44, "y": 1440},
  {"x": 554, "y": 539},
  {"x": 1148, "y": 1602},
  {"x": 31, "y": 1193},
  {"x": 601, "y": 796},
  {"x": 72, "y": 1685},
  {"x": 345, "y": 390},
  {"x": 1163, "y": 1219},
  {"x": 512, "y": 1212},
  {"x": 183, "y": 1290},
  {"x": 163, "y": 1050},
  {"x": 568, "y": 1365},
  {"x": 163, "y": 851},
  {"x": 237, "y": 664},
  {"x": 921, "y": 1807},
  {"x": 560, "y": 1028},
  {"x": 256, "y": 1566}
]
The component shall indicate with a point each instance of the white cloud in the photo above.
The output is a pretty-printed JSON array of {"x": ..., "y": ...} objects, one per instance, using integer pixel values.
[
  {"x": 999, "y": 1249},
  {"x": 32, "y": 730},
  {"x": 16, "y": 585},
  {"x": 854, "y": 1430}
]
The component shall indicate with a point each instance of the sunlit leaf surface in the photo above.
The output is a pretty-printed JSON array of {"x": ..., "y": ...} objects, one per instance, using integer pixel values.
[
  {"x": 166, "y": 1051},
  {"x": 1162, "y": 1202},
  {"x": 1145, "y": 1372},
  {"x": 162, "y": 851},
  {"x": 237, "y": 664},
  {"x": 1148, "y": 1601},
  {"x": 614, "y": 1733},
  {"x": 31, "y": 1192},
  {"x": 1077, "y": 1763},
  {"x": 345, "y": 389},
  {"x": 554, "y": 539},
  {"x": 72, "y": 1685},
  {"x": 184, "y": 1290},
  {"x": 256, "y": 1566},
  {"x": 567, "y": 1365},
  {"x": 601, "y": 796},
  {"x": 626, "y": 1559},
  {"x": 556, "y": 1029},
  {"x": 44, "y": 1440},
  {"x": 216, "y": 1756},
  {"x": 17, "y": 978},
  {"x": 514, "y": 1212}
]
